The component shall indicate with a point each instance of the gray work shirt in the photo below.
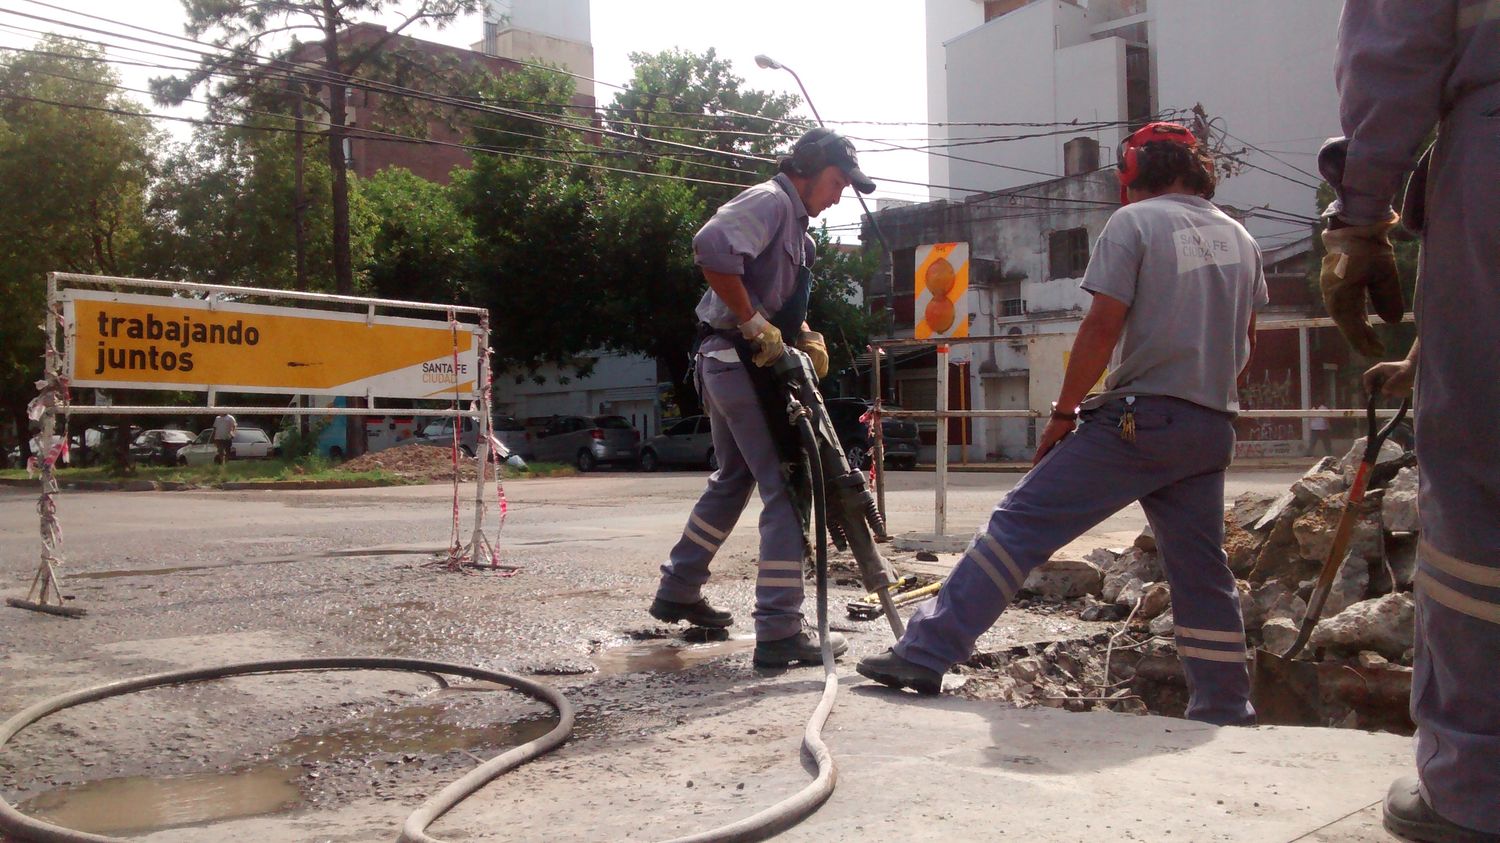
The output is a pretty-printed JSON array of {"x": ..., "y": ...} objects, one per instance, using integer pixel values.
[
  {"x": 1192, "y": 277},
  {"x": 1401, "y": 67},
  {"x": 761, "y": 236}
]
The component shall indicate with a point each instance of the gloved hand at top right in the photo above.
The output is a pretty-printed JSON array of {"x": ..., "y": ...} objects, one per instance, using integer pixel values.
[{"x": 1361, "y": 262}]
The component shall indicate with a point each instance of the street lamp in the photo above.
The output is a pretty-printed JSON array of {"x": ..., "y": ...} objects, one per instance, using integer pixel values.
[{"x": 768, "y": 63}]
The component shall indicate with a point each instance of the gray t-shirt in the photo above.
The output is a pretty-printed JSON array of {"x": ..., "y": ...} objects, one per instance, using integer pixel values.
[
  {"x": 761, "y": 236},
  {"x": 1192, "y": 277}
]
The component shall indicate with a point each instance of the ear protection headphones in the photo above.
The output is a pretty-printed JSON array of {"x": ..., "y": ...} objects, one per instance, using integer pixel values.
[
  {"x": 810, "y": 158},
  {"x": 1128, "y": 155}
]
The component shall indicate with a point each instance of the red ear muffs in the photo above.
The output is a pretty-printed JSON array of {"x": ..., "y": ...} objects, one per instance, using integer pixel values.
[{"x": 1127, "y": 156}]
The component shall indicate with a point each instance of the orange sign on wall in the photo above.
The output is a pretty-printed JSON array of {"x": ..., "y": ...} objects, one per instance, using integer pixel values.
[
  {"x": 162, "y": 342},
  {"x": 942, "y": 284}
]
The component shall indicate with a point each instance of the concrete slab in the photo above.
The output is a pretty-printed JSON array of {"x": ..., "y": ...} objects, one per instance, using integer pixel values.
[{"x": 951, "y": 769}]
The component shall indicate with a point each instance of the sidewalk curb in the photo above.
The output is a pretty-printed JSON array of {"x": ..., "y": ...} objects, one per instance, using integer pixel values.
[{"x": 177, "y": 486}]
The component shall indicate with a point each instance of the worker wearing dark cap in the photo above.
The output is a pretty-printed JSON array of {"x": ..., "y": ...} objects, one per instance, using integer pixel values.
[
  {"x": 757, "y": 256},
  {"x": 1404, "y": 69},
  {"x": 1176, "y": 284}
]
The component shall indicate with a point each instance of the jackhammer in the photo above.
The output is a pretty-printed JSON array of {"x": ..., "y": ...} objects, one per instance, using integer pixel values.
[{"x": 854, "y": 519}]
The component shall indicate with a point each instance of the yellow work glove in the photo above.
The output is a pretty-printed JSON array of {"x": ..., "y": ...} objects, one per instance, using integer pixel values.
[
  {"x": 764, "y": 338},
  {"x": 811, "y": 343},
  {"x": 1360, "y": 260}
]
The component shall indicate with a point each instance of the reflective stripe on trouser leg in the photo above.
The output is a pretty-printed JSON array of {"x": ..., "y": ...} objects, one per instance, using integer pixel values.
[
  {"x": 1188, "y": 520},
  {"x": 1455, "y": 683},
  {"x": 1085, "y": 479},
  {"x": 778, "y": 599}
]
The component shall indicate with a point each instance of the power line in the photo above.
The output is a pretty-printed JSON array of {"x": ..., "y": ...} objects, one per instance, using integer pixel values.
[{"x": 360, "y": 133}]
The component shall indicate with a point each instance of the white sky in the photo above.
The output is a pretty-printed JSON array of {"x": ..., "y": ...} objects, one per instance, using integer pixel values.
[{"x": 860, "y": 59}]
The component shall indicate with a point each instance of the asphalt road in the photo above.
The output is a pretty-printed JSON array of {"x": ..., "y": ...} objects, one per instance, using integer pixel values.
[{"x": 187, "y": 579}]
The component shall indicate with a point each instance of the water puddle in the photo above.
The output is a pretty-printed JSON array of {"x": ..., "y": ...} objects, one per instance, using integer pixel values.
[
  {"x": 667, "y": 656},
  {"x": 418, "y": 730},
  {"x": 137, "y": 804}
]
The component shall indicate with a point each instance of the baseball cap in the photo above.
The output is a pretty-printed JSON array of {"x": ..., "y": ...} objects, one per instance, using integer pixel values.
[{"x": 821, "y": 147}]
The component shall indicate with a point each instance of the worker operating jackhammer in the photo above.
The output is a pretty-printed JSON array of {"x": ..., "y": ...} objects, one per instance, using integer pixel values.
[
  {"x": 757, "y": 256},
  {"x": 1176, "y": 284},
  {"x": 1403, "y": 68}
]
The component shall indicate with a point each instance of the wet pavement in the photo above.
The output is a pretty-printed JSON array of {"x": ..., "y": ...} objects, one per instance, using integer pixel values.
[{"x": 191, "y": 579}]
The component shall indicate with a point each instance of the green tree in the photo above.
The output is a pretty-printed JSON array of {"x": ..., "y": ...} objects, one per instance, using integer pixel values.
[
  {"x": 420, "y": 247},
  {"x": 313, "y": 77},
  {"x": 75, "y": 159},
  {"x": 225, "y": 211},
  {"x": 677, "y": 99}
]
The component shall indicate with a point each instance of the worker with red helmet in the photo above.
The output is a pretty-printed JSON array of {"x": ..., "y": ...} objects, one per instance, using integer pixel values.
[{"x": 1176, "y": 284}]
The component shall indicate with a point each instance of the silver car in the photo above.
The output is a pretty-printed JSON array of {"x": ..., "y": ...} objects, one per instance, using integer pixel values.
[
  {"x": 511, "y": 433},
  {"x": 249, "y": 443},
  {"x": 685, "y": 442},
  {"x": 588, "y": 441}
]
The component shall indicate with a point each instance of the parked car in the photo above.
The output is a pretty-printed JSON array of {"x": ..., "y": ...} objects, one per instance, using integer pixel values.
[
  {"x": 250, "y": 443},
  {"x": 686, "y": 442},
  {"x": 159, "y": 446},
  {"x": 900, "y": 435},
  {"x": 511, "y": 433},
  {"x": 588, "y": 441}
]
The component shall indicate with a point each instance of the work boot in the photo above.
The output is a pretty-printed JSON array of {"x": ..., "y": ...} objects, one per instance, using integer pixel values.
[
  {"x": 796, "y": 649},
  {"x": 890, "y": 669},
  {"x": 697, "y": 614},
  {"x": 1408, "y": 816}
]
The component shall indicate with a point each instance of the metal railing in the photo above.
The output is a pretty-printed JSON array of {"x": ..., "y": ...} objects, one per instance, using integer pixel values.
[{"x": 941, "y": 413}]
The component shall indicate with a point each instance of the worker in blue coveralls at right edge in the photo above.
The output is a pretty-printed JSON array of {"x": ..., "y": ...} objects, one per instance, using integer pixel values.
[
  {"x": 1404, "y": 68},
  {"x": 1176, "y": 284}
]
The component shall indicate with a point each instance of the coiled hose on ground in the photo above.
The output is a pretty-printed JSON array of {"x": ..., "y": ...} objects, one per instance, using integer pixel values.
[{"x": 760, "y": 826}]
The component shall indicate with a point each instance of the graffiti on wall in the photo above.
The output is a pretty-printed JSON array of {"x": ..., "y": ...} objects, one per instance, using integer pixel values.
[{"x": 1269, "y": 437}]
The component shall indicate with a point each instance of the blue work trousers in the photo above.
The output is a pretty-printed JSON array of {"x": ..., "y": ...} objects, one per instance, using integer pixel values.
[
  {"x": 1175, "y": 467},
  {"x": 1455, "y": 698},
  {"x": 747, "y": 459}
]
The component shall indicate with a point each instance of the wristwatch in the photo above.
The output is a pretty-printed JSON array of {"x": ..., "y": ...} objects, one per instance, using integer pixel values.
[{"x": 1059, "y": 415}]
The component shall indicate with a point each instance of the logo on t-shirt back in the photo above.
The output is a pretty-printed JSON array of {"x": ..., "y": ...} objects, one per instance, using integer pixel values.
[{"x": 1206, "y": 245}]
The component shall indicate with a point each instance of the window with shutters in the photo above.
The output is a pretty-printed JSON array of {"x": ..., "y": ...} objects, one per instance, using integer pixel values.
[{"x": 1069, "y": 252}]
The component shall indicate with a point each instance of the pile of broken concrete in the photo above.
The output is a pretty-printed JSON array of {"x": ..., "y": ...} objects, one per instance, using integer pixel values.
[{"x": 1276, "y": 547}]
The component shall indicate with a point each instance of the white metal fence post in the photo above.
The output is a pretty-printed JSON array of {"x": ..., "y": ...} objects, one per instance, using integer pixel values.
[{"x": 940, "y": 507}]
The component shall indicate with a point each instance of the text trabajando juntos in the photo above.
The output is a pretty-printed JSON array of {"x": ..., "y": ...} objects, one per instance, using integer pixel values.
[{"x": 172, "y": 341}]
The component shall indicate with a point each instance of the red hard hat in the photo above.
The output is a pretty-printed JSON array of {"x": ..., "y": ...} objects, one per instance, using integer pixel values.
[{"x": 1128, "y": 167}]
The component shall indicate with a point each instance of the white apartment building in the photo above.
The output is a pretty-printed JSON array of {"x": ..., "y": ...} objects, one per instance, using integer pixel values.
[{"x": 1261, "y": 69}]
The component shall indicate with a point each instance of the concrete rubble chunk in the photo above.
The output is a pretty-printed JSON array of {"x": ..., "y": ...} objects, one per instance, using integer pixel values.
[
  {"x": 1163, "y": 625},
  {"x": 1127, "y": 588},
  {"x": 1240, "y": 547},
  {"x": 1103, "y": 557},
  {"x": 1147, "y": 539},
  {"x": 1065, "y": 579},
  {"x": 1157, "y": 598},
  {"x": 1314, "y": 486},
  {"x": 1398, "y": 509},
  {"x": 1383, "y": 625},
  {"x": 1248, "y": 508},
  {"x": 1350, "y": 585},
  {"x": 1315, "y": 530},
  {"x": 1248, "y": 610},
  {"x": 1281, "y": 505},
  {"x": 1278, "y": 634},
  {"x": 1389, "y": 451}
]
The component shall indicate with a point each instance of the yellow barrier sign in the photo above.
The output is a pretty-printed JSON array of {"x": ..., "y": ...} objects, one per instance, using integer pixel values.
[{"x": 160, "y": 342}]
